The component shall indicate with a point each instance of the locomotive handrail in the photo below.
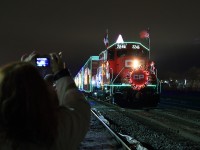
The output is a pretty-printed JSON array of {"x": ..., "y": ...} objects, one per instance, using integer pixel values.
[
  {"x": 158, "y": 83},
  {"x": 118, "y": 75},
  {"x": 111, "y": 81},
  {"x": 115, "y": 79},
  {"x": 112, "y": 74}
]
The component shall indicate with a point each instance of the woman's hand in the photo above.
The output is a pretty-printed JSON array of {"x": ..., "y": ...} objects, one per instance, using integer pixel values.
[
  {"x": 30, "y": 58},
  {"x": 57, "y": 63}
]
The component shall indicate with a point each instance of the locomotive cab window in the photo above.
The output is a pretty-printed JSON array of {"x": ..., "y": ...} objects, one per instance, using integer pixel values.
[
  {"x": 140, "y": 52},
  {"x": 101, "y": 56},
  {"x": 111, "y": 55},
  {"x": 121, "y": 53}
]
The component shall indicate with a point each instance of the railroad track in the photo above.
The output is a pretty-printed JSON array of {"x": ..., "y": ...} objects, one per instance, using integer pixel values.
[
  {"x": 119, "y": 141},
  {"x": 186, "y": 128},
  {"x": 156, "y": 127},
  {"x": 101, "y": 136}
]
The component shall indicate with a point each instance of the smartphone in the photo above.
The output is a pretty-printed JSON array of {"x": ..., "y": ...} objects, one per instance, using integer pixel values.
[{"x": 42, "y": 61}]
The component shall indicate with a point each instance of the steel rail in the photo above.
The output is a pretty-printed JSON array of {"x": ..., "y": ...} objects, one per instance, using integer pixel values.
[{"x": 124, "y": 145}]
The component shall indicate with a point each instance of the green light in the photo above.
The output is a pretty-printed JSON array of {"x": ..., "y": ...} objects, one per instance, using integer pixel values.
[
  {"x": 91, "y": 58},
  {"x": 151, "y": 85},
  {"x": 130, "y": 43},
  {"x": 120, "y": 85}
]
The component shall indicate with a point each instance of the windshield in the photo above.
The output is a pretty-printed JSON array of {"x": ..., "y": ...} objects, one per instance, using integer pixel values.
[{"x": 131, "y": 52}]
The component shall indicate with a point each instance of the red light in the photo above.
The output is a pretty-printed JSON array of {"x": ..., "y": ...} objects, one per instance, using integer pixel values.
[{"x": 138, "y": 79}]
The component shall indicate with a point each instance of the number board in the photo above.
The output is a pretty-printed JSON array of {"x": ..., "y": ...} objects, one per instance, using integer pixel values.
[{"x": 127, "y": 46}]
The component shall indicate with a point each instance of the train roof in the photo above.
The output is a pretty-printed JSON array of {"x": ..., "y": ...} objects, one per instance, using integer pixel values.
[
  {"x": 91, "y": 58},
  {"x": 129, "y": 43}
]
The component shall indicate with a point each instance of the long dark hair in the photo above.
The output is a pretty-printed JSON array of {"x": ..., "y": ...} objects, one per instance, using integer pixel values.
[{"x": 27, "y": 107}]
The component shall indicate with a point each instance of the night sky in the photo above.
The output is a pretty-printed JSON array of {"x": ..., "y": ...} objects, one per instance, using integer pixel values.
[{"x": 77, "y": 28}]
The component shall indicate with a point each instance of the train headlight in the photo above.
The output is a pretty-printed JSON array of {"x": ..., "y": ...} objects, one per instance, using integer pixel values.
[{"x": 136, "y": 64}]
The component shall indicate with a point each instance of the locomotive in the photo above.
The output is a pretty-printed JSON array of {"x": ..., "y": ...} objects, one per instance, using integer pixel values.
[{"x": 122, "y": 74}]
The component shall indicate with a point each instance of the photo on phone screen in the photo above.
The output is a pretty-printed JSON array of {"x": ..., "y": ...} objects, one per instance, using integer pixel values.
[{"x": 42, "y": 62}]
